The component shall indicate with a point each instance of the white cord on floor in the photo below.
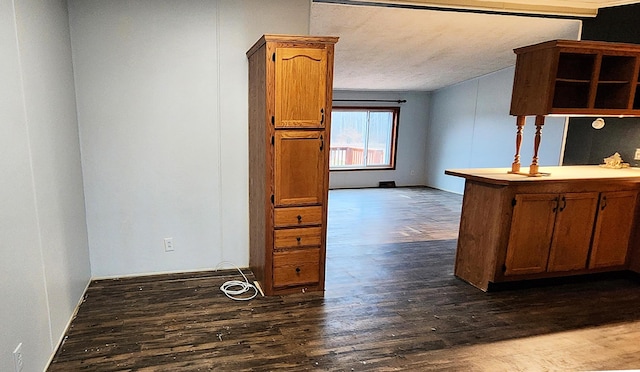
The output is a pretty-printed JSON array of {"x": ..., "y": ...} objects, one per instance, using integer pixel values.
[{"x": 233, "y": 288}]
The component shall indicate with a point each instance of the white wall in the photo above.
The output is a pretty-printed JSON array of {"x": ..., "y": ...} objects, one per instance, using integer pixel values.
[
  {"x": 470, "y": 127},
  {"x": 412, "y": 134},
  {"x": 24, "y": 312},
  {"x": 162, "y": 110},
  {"x": 242, "y": 23},
  {"x": 45, "y": 258}
]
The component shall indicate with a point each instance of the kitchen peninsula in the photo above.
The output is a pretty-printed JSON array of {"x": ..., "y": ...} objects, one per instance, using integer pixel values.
[
  {"x": 577, "y": 220},
  {"x": 555, "y": 221}
]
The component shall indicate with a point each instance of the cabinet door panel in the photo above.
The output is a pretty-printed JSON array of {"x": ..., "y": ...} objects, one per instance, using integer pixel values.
[
  {"x": 299, "y": 168},
  {"x": 572, "y": 233},
  {"x": 531, "y": 231},
  {"x": 613, "y": 229},
  {"x": 301, "y": 75}
]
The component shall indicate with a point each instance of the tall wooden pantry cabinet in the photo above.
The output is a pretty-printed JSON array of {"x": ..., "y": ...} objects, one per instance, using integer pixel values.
[{"x": 290, "y": 94}]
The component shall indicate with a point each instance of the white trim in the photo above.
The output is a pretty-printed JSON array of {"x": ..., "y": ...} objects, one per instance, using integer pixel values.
[
  {"x": 159, "y": 273},
  {"x": 66, "y": 328},
  {"x": 617, "y": 3},
  {"x": 564, "y": 140},
  {"x": 217, "y": 129}
]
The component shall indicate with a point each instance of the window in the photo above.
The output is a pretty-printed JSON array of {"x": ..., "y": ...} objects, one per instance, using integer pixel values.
[{"x": 363, "y": 138}]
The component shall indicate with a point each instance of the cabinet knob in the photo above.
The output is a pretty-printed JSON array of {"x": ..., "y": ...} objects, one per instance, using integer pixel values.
[
  {"x": 298, "y": 270},
  {"x": 322, "y": 117},
  {"x": 299, "y": 218},
  {"x": 298, "y": 239}
]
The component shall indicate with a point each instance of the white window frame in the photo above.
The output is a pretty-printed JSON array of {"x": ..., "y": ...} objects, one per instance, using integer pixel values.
[{"x": 395, "y": 111}]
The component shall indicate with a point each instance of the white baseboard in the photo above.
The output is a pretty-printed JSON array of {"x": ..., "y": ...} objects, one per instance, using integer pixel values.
[
  {"x": 66, "y": 328},
  {"x": 107, "y": 277}
]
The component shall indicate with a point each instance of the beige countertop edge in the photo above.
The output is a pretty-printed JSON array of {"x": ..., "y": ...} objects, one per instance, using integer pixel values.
[{"x": 500, "y": 176}]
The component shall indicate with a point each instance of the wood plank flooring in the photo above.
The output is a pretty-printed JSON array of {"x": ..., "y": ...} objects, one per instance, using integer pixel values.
[{"x": 391, "y": 303}]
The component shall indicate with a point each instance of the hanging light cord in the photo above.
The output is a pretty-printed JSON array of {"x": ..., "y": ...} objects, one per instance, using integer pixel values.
[{"x": 235, "y": 288}]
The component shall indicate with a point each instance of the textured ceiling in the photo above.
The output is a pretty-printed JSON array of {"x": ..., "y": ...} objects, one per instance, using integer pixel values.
[{"x": 388, "y": 48}]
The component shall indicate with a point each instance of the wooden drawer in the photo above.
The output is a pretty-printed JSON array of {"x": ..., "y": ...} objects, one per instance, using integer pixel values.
[
  {"x": 297, "y": 216},
  {"x": 302, "y": 237},
  {"x": 297, "y": 267}
]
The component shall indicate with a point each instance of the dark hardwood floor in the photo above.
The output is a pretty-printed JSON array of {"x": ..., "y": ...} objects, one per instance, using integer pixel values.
[{"x": 391, "y": 303}]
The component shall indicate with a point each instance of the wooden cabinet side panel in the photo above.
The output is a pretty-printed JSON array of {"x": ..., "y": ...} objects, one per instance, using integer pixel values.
[
  {"x": 259, "y": 208},
  {"x": 634, "y": 243},
  {"x": 483, "y": 230},
  {"x": 327, "y": 145},
  {"x": 533, "y": 82},
  {"x": 573, "y": 230},
  {"x": 613, "y": 229}
]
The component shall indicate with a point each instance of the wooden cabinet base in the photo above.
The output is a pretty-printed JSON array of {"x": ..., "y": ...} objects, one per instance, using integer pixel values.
[{"x": 521, "y": 230}]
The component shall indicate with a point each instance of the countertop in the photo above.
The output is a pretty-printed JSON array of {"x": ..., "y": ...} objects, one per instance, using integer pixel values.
[{"x": 499, "y": 176}]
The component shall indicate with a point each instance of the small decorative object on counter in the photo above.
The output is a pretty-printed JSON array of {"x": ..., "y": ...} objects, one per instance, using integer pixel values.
[{"x": 614, "y": 161}]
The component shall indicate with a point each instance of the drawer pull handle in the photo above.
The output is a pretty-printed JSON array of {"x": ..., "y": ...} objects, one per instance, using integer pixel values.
[
  {"x": 298, "y": 270},
  {"x": 299, "y": 218},
  {"x": 298, "y": 239}
]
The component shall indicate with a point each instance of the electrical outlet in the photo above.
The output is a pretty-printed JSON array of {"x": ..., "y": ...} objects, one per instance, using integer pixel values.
[
  {"x": 18, "y": 362},
  {"x": 636, "y": 156},
  {"x": 168, "y": 244}
]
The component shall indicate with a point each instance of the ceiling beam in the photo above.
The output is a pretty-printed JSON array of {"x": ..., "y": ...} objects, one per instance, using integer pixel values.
[{"x": 571, "y": 9}]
